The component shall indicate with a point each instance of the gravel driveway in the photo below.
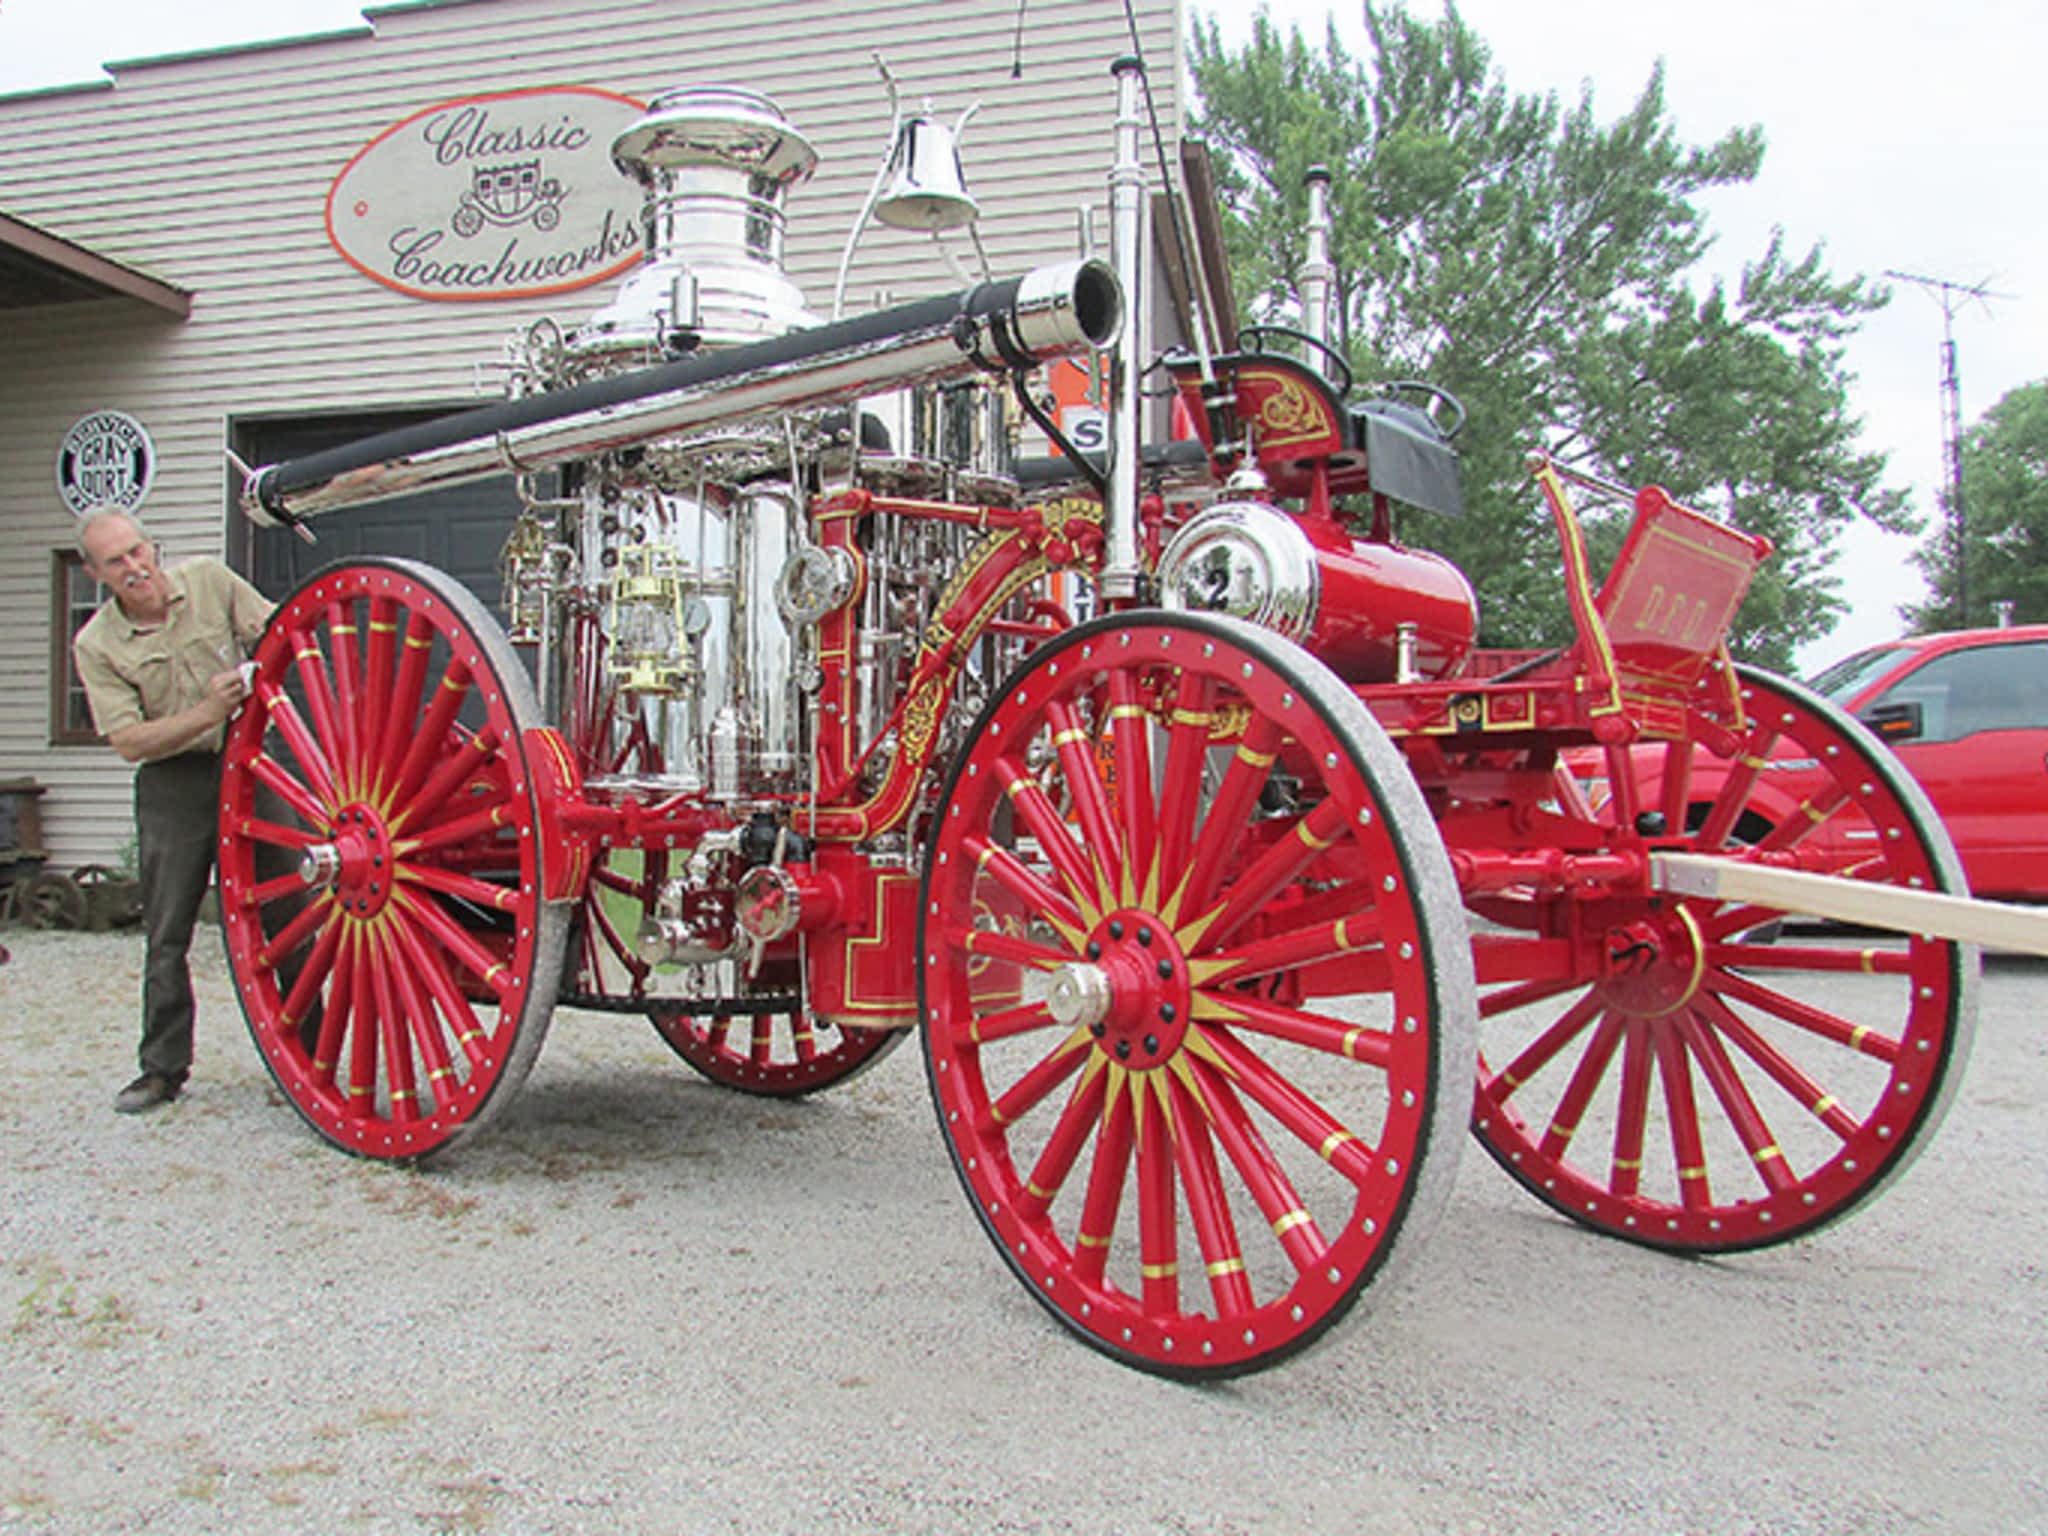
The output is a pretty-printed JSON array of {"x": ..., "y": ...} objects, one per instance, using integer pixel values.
[{"x": 643, "y": 1304}]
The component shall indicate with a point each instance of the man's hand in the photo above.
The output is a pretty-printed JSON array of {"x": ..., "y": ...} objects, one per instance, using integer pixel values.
[{"x": 224, "y": 693}]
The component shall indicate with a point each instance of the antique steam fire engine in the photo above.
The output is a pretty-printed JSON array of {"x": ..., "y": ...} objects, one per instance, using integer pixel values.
[{"x": 1169, "y": 801}]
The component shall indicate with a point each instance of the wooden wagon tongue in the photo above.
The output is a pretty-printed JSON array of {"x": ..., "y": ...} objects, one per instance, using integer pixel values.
[{"x": 1965, "y": 920}]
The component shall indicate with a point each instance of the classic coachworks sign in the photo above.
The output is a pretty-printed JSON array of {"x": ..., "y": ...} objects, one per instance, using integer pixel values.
[
  {"x": 105, "y": 460},
  {"x": 492, "y": 197}
]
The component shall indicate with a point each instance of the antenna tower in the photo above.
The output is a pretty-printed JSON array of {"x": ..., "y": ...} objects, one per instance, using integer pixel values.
[{"x": 1951, "y": 296}]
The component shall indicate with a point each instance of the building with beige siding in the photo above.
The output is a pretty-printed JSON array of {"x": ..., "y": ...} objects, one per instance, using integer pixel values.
[{"x": 171, "y": 257}]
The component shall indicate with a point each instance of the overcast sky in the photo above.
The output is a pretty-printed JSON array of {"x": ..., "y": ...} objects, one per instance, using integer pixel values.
[{"x": 1902, "y": 135}]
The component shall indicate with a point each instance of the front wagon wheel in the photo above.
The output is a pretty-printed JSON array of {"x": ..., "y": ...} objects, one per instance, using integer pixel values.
[{"x": 1728, "y": 1084}]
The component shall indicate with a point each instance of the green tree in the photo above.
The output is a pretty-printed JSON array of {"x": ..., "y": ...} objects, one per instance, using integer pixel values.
[
  {"x": 1542, "y": 266},
  {"x": 2005, "y": 501}
]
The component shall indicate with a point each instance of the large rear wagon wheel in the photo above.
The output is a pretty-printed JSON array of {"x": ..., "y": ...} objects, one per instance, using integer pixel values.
[
  {"x": 380, "y": 865},
  {"x": 1195, "y": 991},
  {"x": 1728, "y": 1083}
]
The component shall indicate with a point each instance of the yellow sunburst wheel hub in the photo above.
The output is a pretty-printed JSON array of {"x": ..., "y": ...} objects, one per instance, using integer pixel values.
[{"x": 1130, "y": 990}]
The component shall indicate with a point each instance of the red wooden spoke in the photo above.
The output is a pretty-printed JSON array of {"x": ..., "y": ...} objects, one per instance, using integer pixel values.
[
  {"x": 1180, "y": 787},
  {"x": 468, "y": 760},
  {"x": 1293, "y": 1227},
  {"x": 338, "y": 1010},
  {"x": 430, "y": 744},
  {"x": 379, "y": 644},
  {"x": 311, "y": 666},
  {"x": 403, "y": 709},
  {"x": 1106, "y": 1172},
  {"x": 312, "y": 761},
  {"x": 1237, "y": 796},
  {"x": 1804, "y": 1091},
  {"x": 473, "y": 958},
  {"x": 288, "y": 789},
  {"x": 985, "y": 943},
  {"x": 1311, "y": 1124},
  {"x": 1507, "y": 999},
  {"x": 449, "y": 882},
  {"x": 1800, "y": 957},
  {"x": 368, "y": 1025},
  {"x": 268, "y": 891},
  {"x": 1542, "y": 1050},
  {"x": 1158, "y": 1215},
  {"x": 1215, "y": 1233},
  {"x": 1083, "y": 879},
  {"x": 485, "y": 823},
  {"x": 1092, "y": 810},
  {"x": 471, "y": 1037},
  {"x": 1005, "y": 1023},
  {"x": 1631, "y": 1121},
  {"x": 275, "y": 836},
  {"x": 1578, "y": 1093},
  {"x": 348, "y": 721},
  {"x": 294, "y": 934},
  {"x": 1687, "y": 1148},
  {"x": 1009, "y": 872},
  {"x": 1031, "y": 1089},
  {"x": 1333, "y": 1037},
  {"x": 1286, "y": 861},
  {"x": 1736, "y": 790},
  {"x": 313, "y": 975},
  {"x": 401, "y": 1095},
  {"x": 1293, "y": 949},
  {"x": 428, "y": 1037},
  {"x": 1730, "y": 921},
  {"x": 1742, "y": 1112},
  {"x": 1130, "y": 736},
  {"x": 1064, "y": 1143},
  {"x": 1819, "y": 1021}
]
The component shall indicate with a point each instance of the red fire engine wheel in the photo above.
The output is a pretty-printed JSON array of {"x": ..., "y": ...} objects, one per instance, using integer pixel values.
[
  {"x": 779, "y": 1054},
  {"x": 1678, "y": 1076},
  {"x": 1194, "y": 987},
  {"x": 380, "y": 867}
]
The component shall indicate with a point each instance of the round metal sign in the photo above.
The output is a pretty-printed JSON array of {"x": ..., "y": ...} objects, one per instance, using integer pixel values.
[{"x": 106, "y": 460}]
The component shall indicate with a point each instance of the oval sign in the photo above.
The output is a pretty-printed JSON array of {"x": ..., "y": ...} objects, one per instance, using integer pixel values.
[
  {"x": 105, "y": 460},
  {"x": 497, "y": 196}
]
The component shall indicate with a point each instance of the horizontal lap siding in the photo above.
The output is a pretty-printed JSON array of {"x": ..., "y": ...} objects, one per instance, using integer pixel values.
[{"x": 211, "y": 173}]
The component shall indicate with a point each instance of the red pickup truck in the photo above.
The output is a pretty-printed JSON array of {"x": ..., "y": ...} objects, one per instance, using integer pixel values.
[{"x": 1967, "y": 713}]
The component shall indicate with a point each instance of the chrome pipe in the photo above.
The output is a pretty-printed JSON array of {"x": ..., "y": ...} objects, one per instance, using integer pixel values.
[
  {"x": 1318, "y": 275},
  {"x": 1120, "y": 568},
  {"x": 1049, "y": 312}
]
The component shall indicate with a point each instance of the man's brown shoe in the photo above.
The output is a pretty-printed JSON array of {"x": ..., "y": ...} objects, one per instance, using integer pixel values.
[{"x": 147, "y": 1092}]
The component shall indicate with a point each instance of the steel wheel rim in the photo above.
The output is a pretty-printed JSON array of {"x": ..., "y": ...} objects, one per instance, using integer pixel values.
[
  {"x": 1802, "y": 1114},
  {"x": 432, "y": 1014},
  {"x": 1286, "y": 1223}
]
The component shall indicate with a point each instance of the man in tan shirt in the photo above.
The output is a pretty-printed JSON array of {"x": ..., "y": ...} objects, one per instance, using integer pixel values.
[{"x": 160, "y": 663}]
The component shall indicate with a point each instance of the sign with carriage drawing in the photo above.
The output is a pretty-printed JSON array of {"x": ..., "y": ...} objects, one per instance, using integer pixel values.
[{"x": 493, "y": 196}]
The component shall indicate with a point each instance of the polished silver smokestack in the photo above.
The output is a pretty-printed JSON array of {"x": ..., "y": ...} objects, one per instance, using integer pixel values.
[
  {"x": 717, "y": 164},
  {"x": 1049, "y": 312}
]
